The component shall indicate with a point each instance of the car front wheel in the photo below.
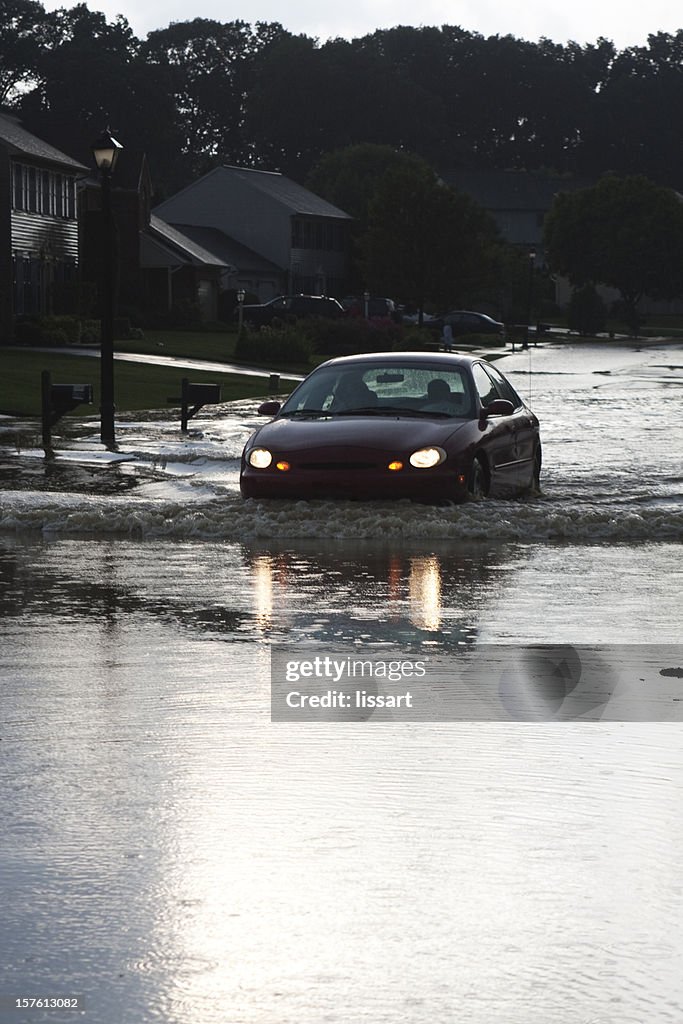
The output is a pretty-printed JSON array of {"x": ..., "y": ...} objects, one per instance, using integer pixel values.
[{"x": 479, "y": 481}]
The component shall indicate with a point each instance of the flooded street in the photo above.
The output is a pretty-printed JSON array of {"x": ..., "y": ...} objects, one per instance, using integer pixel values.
[{"x": 169, "y": 854}]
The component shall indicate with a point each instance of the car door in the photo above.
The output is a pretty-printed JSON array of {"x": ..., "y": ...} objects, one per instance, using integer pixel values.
[
  {"x": 524, "y": 426},
  {"x": 500, "y": 439}
]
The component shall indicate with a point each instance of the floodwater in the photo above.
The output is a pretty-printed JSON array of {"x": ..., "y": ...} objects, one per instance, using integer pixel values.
[{"x": 169, "y": 854}]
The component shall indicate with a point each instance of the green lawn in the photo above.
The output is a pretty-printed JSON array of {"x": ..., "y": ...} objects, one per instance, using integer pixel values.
[
  {"x": 216, "y": 346},
  {"x": 194, "y": 344},
  {"x": 137, "y": 386}
]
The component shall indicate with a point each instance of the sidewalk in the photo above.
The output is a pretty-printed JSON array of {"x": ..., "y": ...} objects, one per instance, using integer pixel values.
[{"x": 177, "y": 362}]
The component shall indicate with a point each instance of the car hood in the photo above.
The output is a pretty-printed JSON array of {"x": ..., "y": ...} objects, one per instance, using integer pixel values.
[{"x": 377, "y": 432}]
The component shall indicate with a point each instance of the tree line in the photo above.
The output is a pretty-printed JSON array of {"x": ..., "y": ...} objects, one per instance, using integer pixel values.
[{"x": 202, "y": 92}]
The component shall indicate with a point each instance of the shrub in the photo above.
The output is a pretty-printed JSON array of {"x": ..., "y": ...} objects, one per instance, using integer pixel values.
[
  {"x": 418, "y": 339},
  {"x": 352, "y": 335},
  {"x": 27, "y": 331},
  {"x": 586, "y": 312},
  {"x": 270, "y": 345},
  {"x": 628, "y": 314},
  {"x": 121, "y": 327},
  {"x": 66, "y": 329},
  {"x": 48, "y": 330},
  {"x": 90, "y": 332},
  {"x": 56, "y": 336}
]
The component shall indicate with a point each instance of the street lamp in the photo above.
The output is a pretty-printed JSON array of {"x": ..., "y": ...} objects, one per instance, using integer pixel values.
[
  {"x": 105, "y": 151},
  {"x": 530, "y": 295},
  {"x": 240, "y": 311}
]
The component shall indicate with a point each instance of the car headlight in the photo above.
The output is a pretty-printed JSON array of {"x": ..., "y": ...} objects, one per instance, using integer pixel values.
[
  {"x": 259, "y": 458},
  {"x": 427, "y": 458}
]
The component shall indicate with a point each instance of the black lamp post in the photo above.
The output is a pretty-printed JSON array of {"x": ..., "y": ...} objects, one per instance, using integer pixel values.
[
  {"x": 105, "y": 150},
  {"x": 240, "y": 312},
  {"x": 530, "y": 295}
]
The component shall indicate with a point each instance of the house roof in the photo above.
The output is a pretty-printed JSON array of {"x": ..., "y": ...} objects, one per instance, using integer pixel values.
[
  {"x": 512, "y": 190},
  {"x": 20, "y": 142},
  {"x": 228, "y": 249},
  {"x": 165, "y": 245},
  {"x": 299, "y": 199},
  {"x": 295, "y": 197}
]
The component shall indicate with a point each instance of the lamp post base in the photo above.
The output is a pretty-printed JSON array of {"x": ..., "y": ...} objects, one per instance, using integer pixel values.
[{"x": 107, "y": 432}]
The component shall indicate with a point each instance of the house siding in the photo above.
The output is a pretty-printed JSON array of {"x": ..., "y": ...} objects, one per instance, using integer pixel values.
[
  {"x": 6, "y": 325},
  {"x": 39, "y": 245},
  {"x": 274, "y": 225},
  {"x": 316, "y": 271},
  {"x": 254, "y": 219},
  {"x": 49, "y": 237}
]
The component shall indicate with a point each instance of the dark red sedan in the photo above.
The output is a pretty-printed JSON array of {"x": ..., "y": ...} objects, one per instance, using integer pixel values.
[{"x": 430, "y": 427}]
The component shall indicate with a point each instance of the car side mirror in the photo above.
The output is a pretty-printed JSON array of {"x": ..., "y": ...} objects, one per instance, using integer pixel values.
[
  {"x": 270, "y": 408},
  {"x": 499, "y": 407}
]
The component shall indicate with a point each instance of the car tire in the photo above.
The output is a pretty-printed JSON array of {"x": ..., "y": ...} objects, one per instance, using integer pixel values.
[
  {"x": 536, "y": 479},
  {"x": 479, "y": 482}
]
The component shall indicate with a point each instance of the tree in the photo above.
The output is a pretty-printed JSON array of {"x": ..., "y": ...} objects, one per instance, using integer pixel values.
[
  {"x": 23, "y": 33},
  {"x": 426, "y": 242},
  {"x": 632, "y": 131},
  {"x": 209, "y": 69},
  {"x": 623, "y": 232},
  {"x": 84, "y": 80},
  {"x": 92, "y": 75},
  {"x": 349, "y": 177}
]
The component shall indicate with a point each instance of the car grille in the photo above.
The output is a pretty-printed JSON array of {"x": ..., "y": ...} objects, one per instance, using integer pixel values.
[{"x": 338, "y": 466}]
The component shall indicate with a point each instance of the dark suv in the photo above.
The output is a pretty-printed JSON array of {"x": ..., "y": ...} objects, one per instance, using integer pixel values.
[{"x": 291, "y": 307}]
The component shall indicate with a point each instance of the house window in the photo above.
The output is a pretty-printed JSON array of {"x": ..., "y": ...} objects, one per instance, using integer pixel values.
[
  {"x": 45, "y": 192},
  {"x": 38, "y": 190},
  {"x": 32, "y": 204},
  {"x": 18, "y": 189}
]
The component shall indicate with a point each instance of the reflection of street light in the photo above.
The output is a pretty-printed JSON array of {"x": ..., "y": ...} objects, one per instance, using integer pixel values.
[
  {"x": 532, "y": 260},
  {"x": 366, "y": 301},
  {"x": 105, "y": 150},
  {"x": 240, "y": 311}
]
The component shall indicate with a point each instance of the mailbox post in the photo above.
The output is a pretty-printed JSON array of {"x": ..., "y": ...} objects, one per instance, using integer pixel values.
[
  {"x": 193, "y": 397},
  {"x": 58, "y": 399}
]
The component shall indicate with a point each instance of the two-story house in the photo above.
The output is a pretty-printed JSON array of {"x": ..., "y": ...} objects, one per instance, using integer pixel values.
[
  {"x": 38, "y": 222},
  {"x": 280, "y": 236},
  {"x": 158, "y": 268},
  {"x": 517, "y": 200}
]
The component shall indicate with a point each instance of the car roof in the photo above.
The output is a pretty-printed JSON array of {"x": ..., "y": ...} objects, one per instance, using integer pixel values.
[
  {"x": 405, "y": 358},
  {"x": 469, "y": 312}
]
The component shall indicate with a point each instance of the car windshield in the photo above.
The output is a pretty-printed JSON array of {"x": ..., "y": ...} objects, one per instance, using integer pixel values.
[{"x": 383, "y": 389}]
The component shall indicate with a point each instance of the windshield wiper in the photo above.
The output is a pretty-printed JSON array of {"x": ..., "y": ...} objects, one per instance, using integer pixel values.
[
  {"x": 307, "y": 412},
  {"x": 390, "y": 410}
]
